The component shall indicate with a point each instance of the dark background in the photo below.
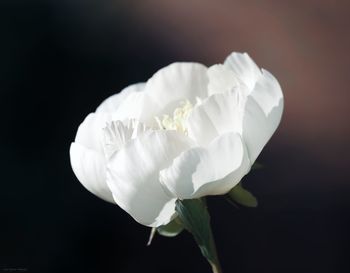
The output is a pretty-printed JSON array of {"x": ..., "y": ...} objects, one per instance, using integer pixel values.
[{"x": 60, "y": 59}]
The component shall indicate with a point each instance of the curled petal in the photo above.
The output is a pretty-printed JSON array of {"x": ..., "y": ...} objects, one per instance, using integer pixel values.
[
  {"x": 216, "y": 170},
  {"x": 133, "y": 176},
  {"x": 112, "y": 103},
  {"x": 89, "y": 167}
]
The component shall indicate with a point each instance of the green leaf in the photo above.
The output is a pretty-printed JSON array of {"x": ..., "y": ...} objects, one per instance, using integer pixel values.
[
  {"x": 195, "y": 217},
  {"x": 243, "y": 197},
  {"x": 172, "y": 229}
]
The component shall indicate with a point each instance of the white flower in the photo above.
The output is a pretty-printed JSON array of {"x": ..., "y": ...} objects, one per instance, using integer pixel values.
[{"x": 188, "y": 132}]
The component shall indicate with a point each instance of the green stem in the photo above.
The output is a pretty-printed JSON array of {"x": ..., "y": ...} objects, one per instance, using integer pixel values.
[
  {"x": 196, "y": 219},
  {"x": 215, "y": 266}
]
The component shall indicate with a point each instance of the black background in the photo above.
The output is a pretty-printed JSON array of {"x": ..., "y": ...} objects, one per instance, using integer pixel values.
[{"x": 59, "y": 60}]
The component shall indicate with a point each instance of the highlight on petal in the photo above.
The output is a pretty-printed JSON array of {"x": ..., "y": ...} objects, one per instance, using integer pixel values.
[
  {"x": 89, "y": 167},
  {"x": 112, "y": 103},
  {"x": 199, "y": 171},
  {"x": 244, "y": 67},
  {"x": 133, "y": 176},
  {"x": 174, "y": 83}
]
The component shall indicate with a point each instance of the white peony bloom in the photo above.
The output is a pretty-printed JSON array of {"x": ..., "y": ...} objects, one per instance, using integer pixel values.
[{"x": 188, "y": 132}]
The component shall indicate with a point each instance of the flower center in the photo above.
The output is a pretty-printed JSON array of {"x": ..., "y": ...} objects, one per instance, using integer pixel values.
[{"x": 178, "y": 120}]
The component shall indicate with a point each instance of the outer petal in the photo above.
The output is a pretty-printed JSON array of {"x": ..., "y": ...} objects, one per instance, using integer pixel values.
[
  {"x": 244, "y": 67},
  {"x": 112, "y": 103},
  {"x": 90, "y": 133},
  {"x": 262, "y": 85},
  {"x": 174, "y": 83},
  {"x": 89, "y": 167},
  {"x": 216, "y": 170},
  {"x": 268, "y": 94},
  {"x": 133, "y": 176},
  {"x": 262, "y": 113}
]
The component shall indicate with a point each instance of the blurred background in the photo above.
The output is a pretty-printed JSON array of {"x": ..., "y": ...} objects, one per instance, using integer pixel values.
[{"x": 60, "y": 59}]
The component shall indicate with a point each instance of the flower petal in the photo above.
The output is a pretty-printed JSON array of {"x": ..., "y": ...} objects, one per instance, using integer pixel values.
[
  {"x": 174, "y": 83},
  {"x": 263, "y": 86},
  {"x": 268, "y": 94},
  {"x": 255, "y": 117},
  {"x": 260, "y": 120},
  {"x": 89, "y": 167},
  {"x": 216, "y": 170},
  {"x": 219, "y": 114},
  {"x": 221, "y": 79},
  {"x": 112, "y": 103},
  {"x": 90, "y": 133},
  {"x": 133, "y": 176},
  {"x": 117, "y": 134},
  {"x": 135, "y": 106},
  {"x": 244, "y": 67}
]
